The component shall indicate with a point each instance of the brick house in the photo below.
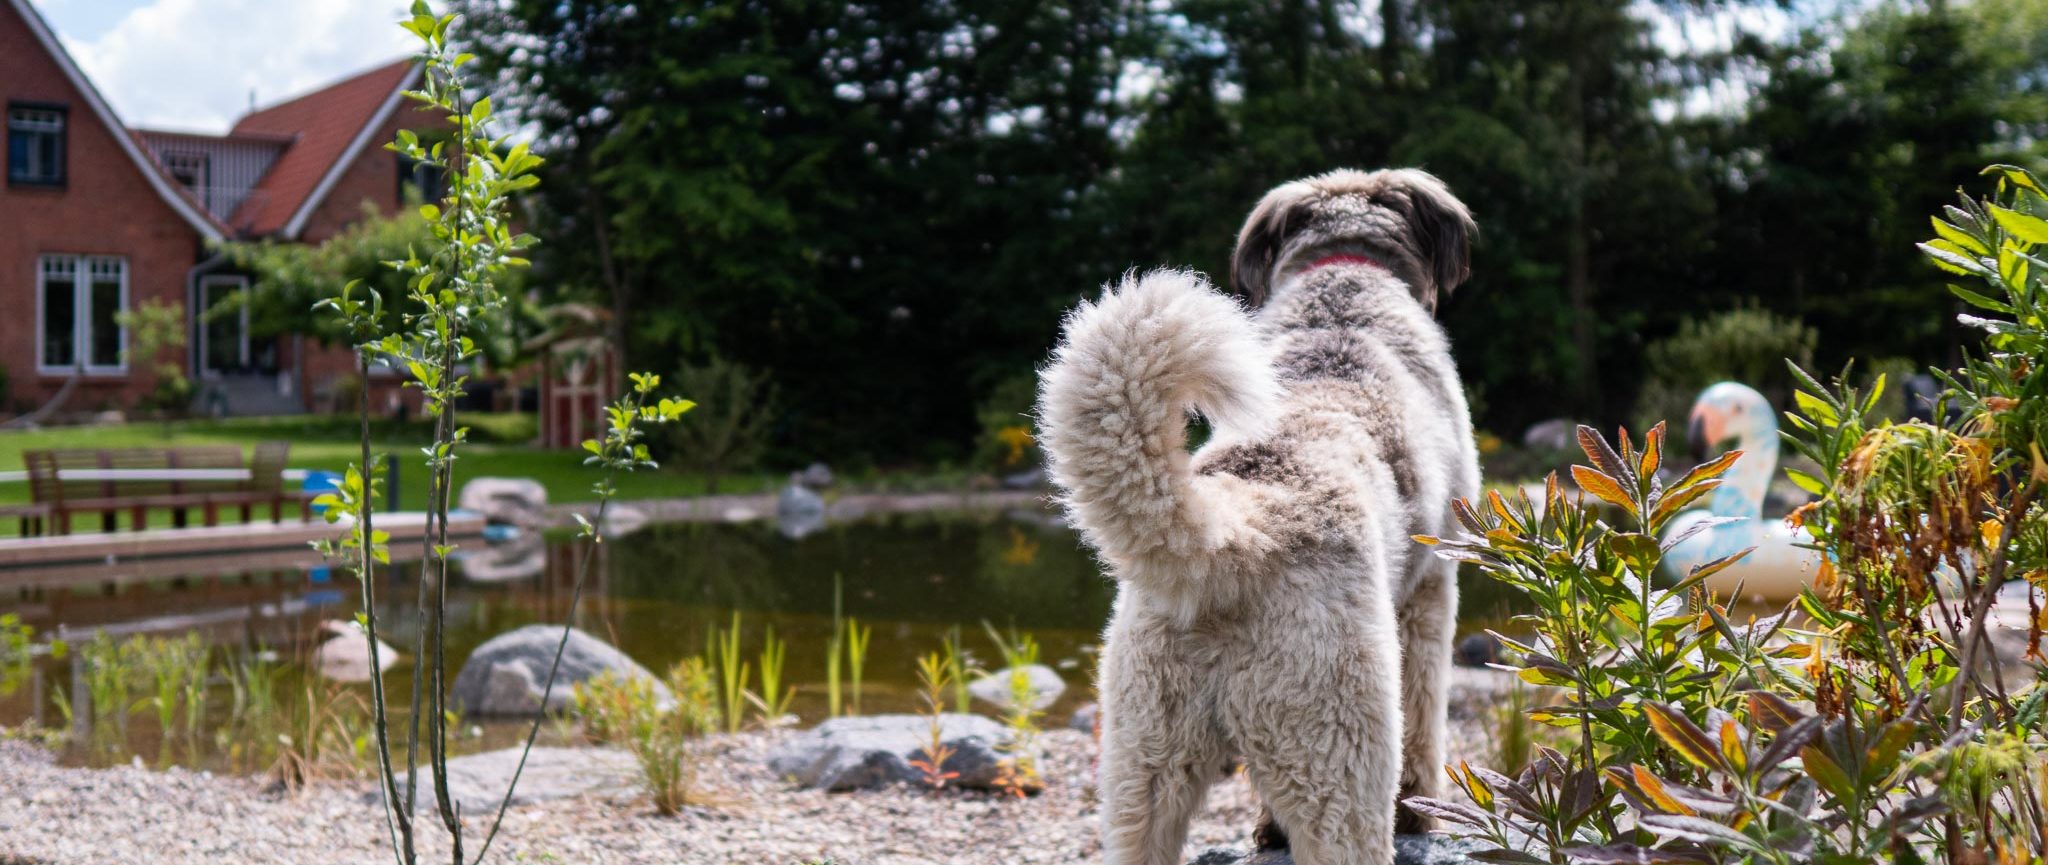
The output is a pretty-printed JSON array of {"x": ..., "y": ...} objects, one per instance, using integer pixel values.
[{"x": 97, "y": 217}]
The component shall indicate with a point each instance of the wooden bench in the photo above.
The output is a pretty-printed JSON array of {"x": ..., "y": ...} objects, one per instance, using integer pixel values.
[{"x": 135, "y": 481}]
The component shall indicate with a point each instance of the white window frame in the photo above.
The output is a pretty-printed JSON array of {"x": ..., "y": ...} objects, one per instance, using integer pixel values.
[
  {"x": 43, "y": 120},
  {"x": 205, "y": 338},
  {"x": 81, "y": 314}
]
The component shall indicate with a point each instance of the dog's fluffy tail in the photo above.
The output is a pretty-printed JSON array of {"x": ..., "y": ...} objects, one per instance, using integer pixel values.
[{"x": 1113, "y": 410}]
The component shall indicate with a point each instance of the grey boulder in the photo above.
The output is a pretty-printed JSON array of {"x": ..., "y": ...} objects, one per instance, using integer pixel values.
[
  {"x": 477, "y": 782},
  {"x": 1408, "y": 850},
  {"x": 994, "y": 688},
  {"x": 876, "y": 750},
  {"x": 505, "y": 675}
]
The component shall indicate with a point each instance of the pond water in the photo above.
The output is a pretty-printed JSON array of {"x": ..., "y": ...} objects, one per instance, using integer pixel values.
[{"x": 658, "y": 594}]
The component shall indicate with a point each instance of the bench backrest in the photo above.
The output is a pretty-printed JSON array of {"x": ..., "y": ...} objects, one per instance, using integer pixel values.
[
  {"x": 208, "y": 457},
  {"x": 47, "y": 486}
]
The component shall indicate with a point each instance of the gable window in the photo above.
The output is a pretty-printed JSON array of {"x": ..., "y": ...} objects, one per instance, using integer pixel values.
[
  {"x": 421, "y": 178},
  {"x": 78, "y": 301},
  {"x": 188, "y": 168},
  {"x": 35, "y": 145}
]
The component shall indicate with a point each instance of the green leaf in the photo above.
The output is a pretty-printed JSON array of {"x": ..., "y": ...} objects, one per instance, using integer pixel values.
[
  {"x": 1816, "y": 409},
  {"x": 1953, "y": 263},
  {"x": 1684, "y": 736},
  {"x": 1958, "y": 237},
  {"x": 1807, "y": 482},
  {"x": 2026, "y": 227},
  {"x": 1827, "y": 773}
]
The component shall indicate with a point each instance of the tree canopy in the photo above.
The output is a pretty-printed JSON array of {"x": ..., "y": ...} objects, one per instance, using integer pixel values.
[{"x": 886, "y": 206}]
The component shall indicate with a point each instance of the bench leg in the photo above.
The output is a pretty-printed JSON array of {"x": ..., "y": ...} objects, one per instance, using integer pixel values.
[
  {"x": 276, "y": 511},
  {"x": 138, "y": 517},
  {"x": 108, "y": 521},
  {"x": 245, "y": 512},
  {"x": 178, "y": 517},
  {"x": 212, "y": 514}
]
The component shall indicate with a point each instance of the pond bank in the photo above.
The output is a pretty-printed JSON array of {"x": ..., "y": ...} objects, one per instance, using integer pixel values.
[
  {"x": 54, "y": 814},
  {"x": 745, "y": 507}
]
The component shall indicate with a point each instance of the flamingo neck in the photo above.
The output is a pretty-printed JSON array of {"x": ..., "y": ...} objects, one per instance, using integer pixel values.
[{"x": 1742, "y": 489}]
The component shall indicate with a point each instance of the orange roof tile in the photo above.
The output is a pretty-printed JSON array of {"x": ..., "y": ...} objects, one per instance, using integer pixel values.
[{"x": 324, "y": 126}]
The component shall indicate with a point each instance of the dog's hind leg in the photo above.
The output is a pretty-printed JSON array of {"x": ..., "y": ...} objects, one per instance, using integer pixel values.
[
  {"x": 1321, "y": 735},
  {"x": 1155, "y": 774},
  {"x": 1427, "y": 621}
]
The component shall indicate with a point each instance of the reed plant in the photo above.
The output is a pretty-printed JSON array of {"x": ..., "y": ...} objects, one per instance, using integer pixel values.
[
  {"x": 775, "y": 697},
  {"x": 734, "y": 674},
  {"x": 963, "y": 667},
  {"x": 856, "y": 656},
  {"x": 833, "y": 646},
  {"x": 175, "y": 668}
]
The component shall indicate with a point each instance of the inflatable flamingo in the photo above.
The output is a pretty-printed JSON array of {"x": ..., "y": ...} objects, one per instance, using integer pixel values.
[{"x": 1779, "y": 567}]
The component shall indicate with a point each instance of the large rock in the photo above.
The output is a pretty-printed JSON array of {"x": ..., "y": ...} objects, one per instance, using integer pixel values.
[
  {"x": 994, "y": 688},
  {"x": 518, "y": 501},
  {"x": 1408, "y": 850},
  {"x": 799, "y": 511},
  {"x": 345, "y": 655},
  {"x": 875, "y": 751},
  {"x": 505, "y": 675},
  {"x": 477, "y": 782}
]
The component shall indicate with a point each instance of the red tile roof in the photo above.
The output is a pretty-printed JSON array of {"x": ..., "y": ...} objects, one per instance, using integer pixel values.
[{"x": 323, "y": 125}]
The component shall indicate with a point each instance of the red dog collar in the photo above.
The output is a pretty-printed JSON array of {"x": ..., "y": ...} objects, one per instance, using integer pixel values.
[{"x": 1344, "y": 258}]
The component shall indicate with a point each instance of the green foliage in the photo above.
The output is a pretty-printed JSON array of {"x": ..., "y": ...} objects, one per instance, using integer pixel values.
[
  {"x": 1748, "y": 344},
  {"x": 17, "y": 651},
  {"x": 729, "y": 430},
  {"x": 1898, "y": 738},
  {"x": 175, "y": 668},
  {"x": 156, "y": 340}
]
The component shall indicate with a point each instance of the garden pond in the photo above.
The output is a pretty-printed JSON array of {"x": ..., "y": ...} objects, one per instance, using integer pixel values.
[{"x": 660, "y": 594}]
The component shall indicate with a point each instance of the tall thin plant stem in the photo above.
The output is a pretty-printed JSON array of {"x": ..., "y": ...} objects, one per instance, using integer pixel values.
[{"x": 399, "y": 823}]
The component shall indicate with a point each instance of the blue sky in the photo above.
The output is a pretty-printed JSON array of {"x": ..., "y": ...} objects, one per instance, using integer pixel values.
[{"x": 193, "y": 64}]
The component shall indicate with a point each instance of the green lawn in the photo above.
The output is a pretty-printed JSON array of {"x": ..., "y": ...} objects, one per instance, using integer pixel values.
[{"x": 497, "y": 448}]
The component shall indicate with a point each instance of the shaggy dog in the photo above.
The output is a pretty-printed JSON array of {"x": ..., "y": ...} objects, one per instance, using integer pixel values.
[{"x": 1272, "y": 604}]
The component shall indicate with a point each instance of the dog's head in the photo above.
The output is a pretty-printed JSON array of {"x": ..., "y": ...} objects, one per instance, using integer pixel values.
[{"x": 1405, "y": 220}]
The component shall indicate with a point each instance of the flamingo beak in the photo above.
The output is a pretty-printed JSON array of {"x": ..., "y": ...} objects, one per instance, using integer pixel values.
[{"x": 1702, "y": 431}]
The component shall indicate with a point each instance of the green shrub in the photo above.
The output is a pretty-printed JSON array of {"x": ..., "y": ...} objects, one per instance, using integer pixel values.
[
  {"x": 730, "y": 427},
  {"x": 1007, "y": 440},
  {"x": 1872, "y": 721}
]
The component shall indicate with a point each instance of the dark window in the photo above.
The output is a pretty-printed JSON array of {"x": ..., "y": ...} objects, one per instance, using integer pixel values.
[
  {"x": 423, "y": 179},
  {"x": 35, "y": 145}
]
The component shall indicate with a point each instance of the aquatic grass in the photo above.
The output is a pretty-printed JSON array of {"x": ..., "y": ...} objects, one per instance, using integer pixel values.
[
  {"x": 110, "y": 676},
  {"x": 175, "y": 668},
  {"x": 255, "y": 719},
  {"x": 734, "y": 673},
  {"x": 963, "y": 667},
  {"x": 856, "y": 656},
  {"x": 936, "y": 675},
  {"x": 832, "y": 647},
  {"x": 775, "y": 698}
]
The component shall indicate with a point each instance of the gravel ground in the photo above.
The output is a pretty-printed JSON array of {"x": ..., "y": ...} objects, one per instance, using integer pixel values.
[{"x": 54, "y": 814}]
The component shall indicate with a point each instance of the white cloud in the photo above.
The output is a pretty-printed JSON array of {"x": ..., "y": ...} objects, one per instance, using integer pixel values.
[{"x": 191, "y": 64}]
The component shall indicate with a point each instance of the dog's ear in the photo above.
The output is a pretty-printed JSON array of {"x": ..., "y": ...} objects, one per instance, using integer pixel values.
[
  {"x": 1263, "y": 236},
  {"x": 1443, "y": 230}
]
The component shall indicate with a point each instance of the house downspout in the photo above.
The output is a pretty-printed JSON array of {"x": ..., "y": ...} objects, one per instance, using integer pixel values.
[{"x": 192, "y": 312}]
